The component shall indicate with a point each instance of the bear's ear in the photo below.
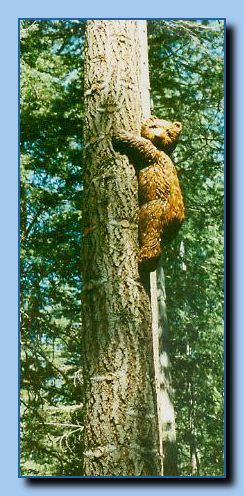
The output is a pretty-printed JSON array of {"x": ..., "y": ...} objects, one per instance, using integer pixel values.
[{"x": 178, "y": 126}]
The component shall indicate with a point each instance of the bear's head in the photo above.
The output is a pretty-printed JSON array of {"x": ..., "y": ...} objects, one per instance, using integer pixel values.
[{"x": 163, "y": 134}]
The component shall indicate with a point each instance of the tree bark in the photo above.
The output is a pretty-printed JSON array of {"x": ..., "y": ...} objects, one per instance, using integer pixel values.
[{"x": 121, "y": 435}]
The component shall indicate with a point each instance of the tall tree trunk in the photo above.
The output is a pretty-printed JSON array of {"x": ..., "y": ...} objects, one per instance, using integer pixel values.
[{"x": 121, "y": 435}]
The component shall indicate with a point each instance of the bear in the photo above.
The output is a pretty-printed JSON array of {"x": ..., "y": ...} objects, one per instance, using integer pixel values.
[{"x": 161, "y": 205}]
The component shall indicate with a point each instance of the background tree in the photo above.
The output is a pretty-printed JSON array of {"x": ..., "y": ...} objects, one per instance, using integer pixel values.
[
  {"x": 186, "y": 75},
  {"x": 51, "y": 128},
  {"x": 186, "y": 72}
]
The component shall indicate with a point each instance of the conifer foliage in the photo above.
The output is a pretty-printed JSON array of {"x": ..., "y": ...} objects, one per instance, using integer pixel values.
[{"x": 187, "y": 83}]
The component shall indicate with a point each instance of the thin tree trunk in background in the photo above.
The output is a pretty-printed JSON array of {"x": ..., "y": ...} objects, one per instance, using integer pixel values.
[
  {"x": 194, "y": 457},
  {"x": 121, "y": 432},
  {"x": 168, "y": 429},
  {"x": 163, "y": 382}
]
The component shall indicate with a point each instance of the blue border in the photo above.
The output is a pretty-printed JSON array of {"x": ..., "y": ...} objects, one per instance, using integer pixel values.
[{"x": 221, "y": 477}]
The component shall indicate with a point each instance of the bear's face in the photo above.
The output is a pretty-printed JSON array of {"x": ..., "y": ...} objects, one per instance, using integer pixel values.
[{"x": 163, "y": 134}]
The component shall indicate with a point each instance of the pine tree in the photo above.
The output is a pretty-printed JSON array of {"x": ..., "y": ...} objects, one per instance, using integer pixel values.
[{"x": 121, "y": 434}]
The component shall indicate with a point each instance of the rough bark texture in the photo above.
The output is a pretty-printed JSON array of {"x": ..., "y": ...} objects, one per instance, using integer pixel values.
[{"x": 120, "y": 419}]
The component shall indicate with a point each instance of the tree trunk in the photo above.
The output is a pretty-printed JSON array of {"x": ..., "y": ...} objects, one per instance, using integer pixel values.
[
  {"x": 121, "y": 436},
  {"x": 166, "y": 407}
]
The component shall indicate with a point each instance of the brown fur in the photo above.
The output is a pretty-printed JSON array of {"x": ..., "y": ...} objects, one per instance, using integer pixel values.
[{"x": 161, "y": 204}]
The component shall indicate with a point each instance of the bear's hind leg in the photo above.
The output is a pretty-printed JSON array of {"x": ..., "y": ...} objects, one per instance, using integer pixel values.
[{"x": 151, "y": 217}]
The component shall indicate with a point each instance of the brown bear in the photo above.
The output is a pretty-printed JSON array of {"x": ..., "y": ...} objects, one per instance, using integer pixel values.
[{"x": 160, "y": 199}]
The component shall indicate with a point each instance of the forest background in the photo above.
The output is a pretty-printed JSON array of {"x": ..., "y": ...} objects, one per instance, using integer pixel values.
[{"x": 186, "y": 75}]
